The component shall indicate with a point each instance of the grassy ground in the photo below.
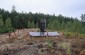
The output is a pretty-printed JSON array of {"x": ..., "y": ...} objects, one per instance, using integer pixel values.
[{"x": 20, "y": 43}]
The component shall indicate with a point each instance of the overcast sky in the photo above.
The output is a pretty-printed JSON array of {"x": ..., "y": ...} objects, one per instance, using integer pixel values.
[{"x": 70, "y": 8}]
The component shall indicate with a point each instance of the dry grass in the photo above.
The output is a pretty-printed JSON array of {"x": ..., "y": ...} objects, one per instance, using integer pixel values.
[{"x": 63, "y": 45}]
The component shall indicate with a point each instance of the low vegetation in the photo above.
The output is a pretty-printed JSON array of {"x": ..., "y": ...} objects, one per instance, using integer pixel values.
[{"x": 22, "y": 43}]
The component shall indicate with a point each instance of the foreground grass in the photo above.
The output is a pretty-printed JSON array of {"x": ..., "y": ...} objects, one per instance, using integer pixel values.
[
  {"x": 74, "y": 35},
  {"x": 62, "y": 45}
]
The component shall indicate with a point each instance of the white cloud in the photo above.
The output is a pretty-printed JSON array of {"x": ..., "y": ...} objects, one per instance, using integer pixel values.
[{"x": 70, "y": 8}]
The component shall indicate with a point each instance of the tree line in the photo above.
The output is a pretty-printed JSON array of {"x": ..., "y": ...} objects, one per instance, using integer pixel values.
[{"x": 15, "y": 20}]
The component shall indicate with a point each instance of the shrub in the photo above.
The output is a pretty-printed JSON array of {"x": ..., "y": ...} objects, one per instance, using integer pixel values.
[
  {"x": 50, "y": 43},
  {"x": 66, "y": 46},
  {"x": 67, "y": 34},
  {"x": 5, "y": 29}
]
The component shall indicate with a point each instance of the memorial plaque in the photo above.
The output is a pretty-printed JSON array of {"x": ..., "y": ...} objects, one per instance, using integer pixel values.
[{"x": 43, "y": 34}]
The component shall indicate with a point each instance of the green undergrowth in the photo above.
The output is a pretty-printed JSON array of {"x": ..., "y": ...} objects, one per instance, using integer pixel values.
[
  {"x": 74, "y": 35},
  {"x": 5, "y": 29}
]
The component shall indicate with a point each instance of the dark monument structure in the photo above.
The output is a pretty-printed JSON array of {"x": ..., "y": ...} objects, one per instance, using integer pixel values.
[{"x": 42, "y": 27}]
